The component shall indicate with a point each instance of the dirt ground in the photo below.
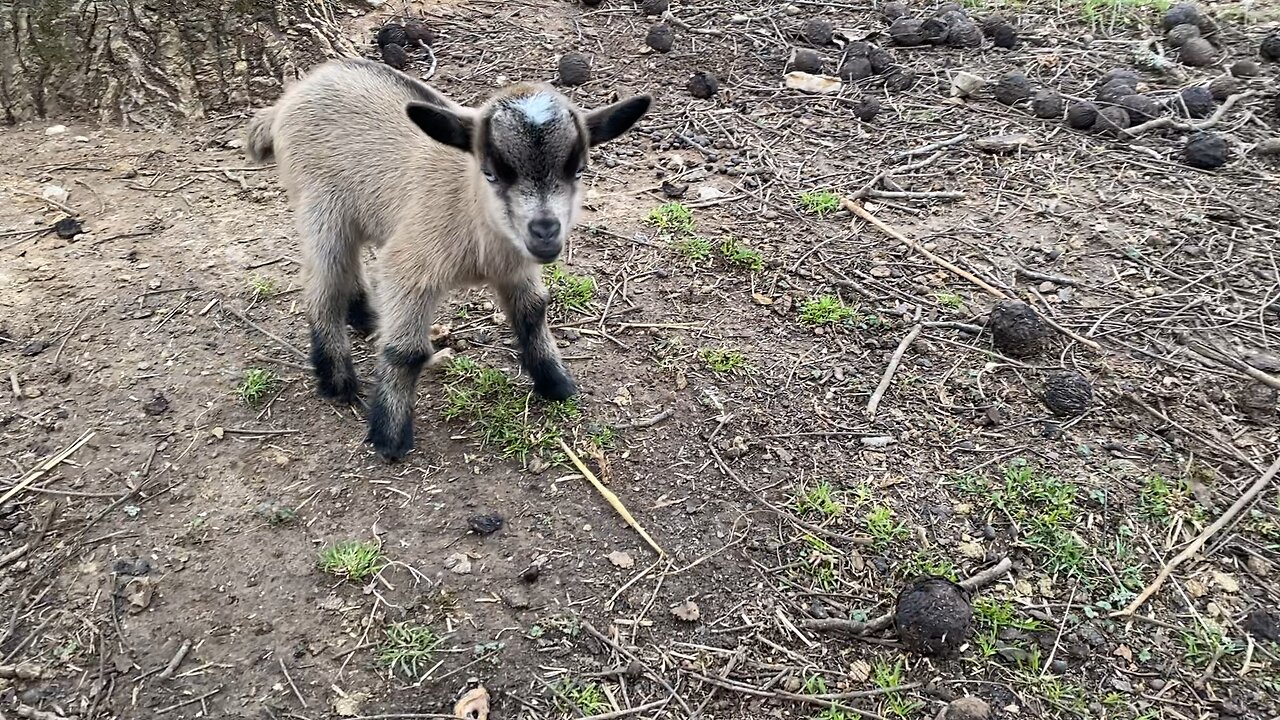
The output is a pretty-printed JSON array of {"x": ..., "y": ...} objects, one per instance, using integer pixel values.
[{"x": 167, "y": 561}]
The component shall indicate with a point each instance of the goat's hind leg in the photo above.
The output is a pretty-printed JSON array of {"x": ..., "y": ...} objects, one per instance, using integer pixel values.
[
  {"x": 525, "y": 299},
  {"x": 331, "y": 265},
  {"x": 405, "y": 349}
]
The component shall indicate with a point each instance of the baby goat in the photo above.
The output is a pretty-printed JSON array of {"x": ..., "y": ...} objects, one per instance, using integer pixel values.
[{"x": 454, "y": 196}]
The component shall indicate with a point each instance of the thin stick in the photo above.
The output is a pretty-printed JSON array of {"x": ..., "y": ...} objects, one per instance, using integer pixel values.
[
  {"x": 934, "y": 146},
  {"x": 178, "y": 657},
  {"x": 70, "y": 332},
  {"x": 887, "y": 378},
  {"x": 196, "y": 699},
  {"x": 293, "y": 686},
  {"x": 1209, "y": 122},
  {"x": 627, "y": 712},
  {"x": 1194, "y": 546},
  {"x": 611, "y": 498},
  {"x": 68, "y": 210},
  {"x": 976, "y": 582},
  {"x": 858, "y": 210},
  {"x": 45, "y": 467},
  {"x": 284, "y": 343}
]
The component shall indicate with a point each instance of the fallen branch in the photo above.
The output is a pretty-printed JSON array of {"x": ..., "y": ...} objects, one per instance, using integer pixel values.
[
  {"x": 45, "y": 467},
  {"x": 887, "y": 378},
  {"x": 853, "y": 627},
  {"x": 1205, "y": 124},
  {"x": 611, "y": 498},
  {"x": 1194, "y": 546},
  {"x": 934, "y": 146}
]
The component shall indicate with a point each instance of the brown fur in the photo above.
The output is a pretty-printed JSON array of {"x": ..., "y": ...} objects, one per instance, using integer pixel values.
[{"x": 359, "y": 172}]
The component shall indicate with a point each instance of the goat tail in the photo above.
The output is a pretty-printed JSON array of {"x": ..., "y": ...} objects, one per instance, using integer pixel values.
[{"x": 259, "y": 142}]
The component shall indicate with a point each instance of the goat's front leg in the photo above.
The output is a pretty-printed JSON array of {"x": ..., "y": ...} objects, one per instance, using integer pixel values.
[
  {"x": 405, "y": 348},
  {"x": 524, "y": 299}
]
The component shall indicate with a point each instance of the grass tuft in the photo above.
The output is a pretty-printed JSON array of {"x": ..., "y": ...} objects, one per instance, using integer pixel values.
[
  {"x": 586, "y": 696},
  {"x": 503, "y": 413},
  {"x": 407, "y": 648},
  {"x": 819, "y": 202},
  {"x": 692, "y": 248},
  {"x": 351, "y": 559},
  {"x": 672, "y": 217},
  {"x": 883, "y": 529},
  {"x": 256, "y": 385},
  {"x": 569, "y": 290},
  {"x": 817, "y": 499},
  {"x": 825, "y": 310},
  {"x": 724, "y": 360},
  {"x": 262, "y": 287},
  {"x": 741, "y": 256}
]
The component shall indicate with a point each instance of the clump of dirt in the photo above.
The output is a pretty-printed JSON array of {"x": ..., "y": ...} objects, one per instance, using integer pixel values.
[
  {"x": 1263, "y": 624},
  {"x": 1195, "y": 102},
  {"x": 805, "y": 60},
  {"x": 392, "y": 34},
  {"x": 418, "y": 33},
  {"x": 574, "y": 69},
  {"x": 703, "y": 85},
  {"x": 1180, "y": 35},
  {"x": 867, "y": 108},
  {"x": 67, "y": 228},
  {"x": 395, "y": 56},
  {"x": 935, "y": 30},
  {"x": 967, "y": 708},
  {"x": 893, "y": 10},
  {"x": 855, "y": 68},
  {"x": 933, "y": 616},
  {"x": 1181, "y": 14},
  {"x": 1245, "y": 69},
  {"x": 1198, "y": 52},
  {"x": 487, "y": 524},
  {"x": 1269, "y": 49},
  {"x": 1082, "y": 115},
  {"x": 1004, "y": 36},
  {"x": 1016, "y": 329},
  {"x": 1223, "y": 87},
  {"x": 660, "y": 37},
  {"x": 1112, "y": 90},
  {"x": 654, "y": 8},
  {"x": 817, "y": 31},
  {"x": 1067, "y": 393},
  {"x": 907, "y": 32},
  {"x": 1206, "y": 150},
  {"x": 900, "y": 78},
  {"x": 1047, "y": 104}
]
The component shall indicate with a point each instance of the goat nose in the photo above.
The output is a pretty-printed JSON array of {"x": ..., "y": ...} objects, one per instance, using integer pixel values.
[{"x": 544, "y": 229}]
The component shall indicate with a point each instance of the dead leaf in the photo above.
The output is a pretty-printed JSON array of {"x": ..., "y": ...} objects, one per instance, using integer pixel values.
[
  {"x": 459, "y": 563},
  {"x": 474, "y": 705},
  {"x": 138, "y": 592},
  {"x": 1196, "y": 589},
  {"x": 687, "y": 611},
  {"x": 216, "y": 432},
  {"x": 972, "y": 550},
  {"x": 349, "y": 705},
  {"x": 1124, "y": 652},
  {"x": 1227, "y": 582},
  {"x": 806, "y": 82},
  {"x": 623, "y": 398},
  {"x": 860, "y": 671},
  {"x": 761, "y": 299},
  {"x": 621, "y": 559}
]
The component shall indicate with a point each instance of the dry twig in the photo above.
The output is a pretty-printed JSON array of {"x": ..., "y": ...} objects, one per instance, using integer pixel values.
[
  {"x": 887, "y": 378},
  {"x": 611, "y": 498}
]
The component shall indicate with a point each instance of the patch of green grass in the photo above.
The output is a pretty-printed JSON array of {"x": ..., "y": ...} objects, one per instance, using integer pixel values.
[
  {"x": 1120, "y": 12},
  {"x": 692, "y": 248},
  {"x": 587, "y": 696},
  {"x": 1045, "y": 509},
  {"x": 818, "y": 499},
  {"x": 825, "y": 310},
  {"x": 263, "y": 287},
  {"x": 741, "y": 256},
  {"x": 1203, "y": 645},
  {"x": 672, "y": 217},
  {"x": 819, "y": 202},
  {"x": 256, "y": 385},
  {"x": 1160, "y": 499},
  {"x": 568, "y": 290},
  {"x": 949, "y": 300},
  {"x": 814, "y": 685},
  {"x": 928, "y": 563},
  {"x": 502, "y": 412},
  {"x": 833, "y": 714},
  {"x": 887, "y": 676},
  {"x": 602, "y": 437},
  {"x": 820, "y": 562},
  {"x": 883, "y": 529},
  {"x": 1000, "y": 614},
  {"x": 351, "y": 559},
  {"x": 724, "y": 360},
  {"x": 407, "y": 648}
]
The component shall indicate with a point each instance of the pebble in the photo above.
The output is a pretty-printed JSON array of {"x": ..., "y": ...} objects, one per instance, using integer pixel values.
[{"x": 55, "y": 129}]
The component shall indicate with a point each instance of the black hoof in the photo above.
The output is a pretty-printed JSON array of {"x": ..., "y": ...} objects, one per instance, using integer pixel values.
[
  {"x": 391, "y": 439},
  {"x": 346, "y": 391},
  {"x": 555, "y": 386}
]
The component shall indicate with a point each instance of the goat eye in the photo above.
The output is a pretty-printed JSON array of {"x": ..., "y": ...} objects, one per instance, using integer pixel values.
[
  {"x": 578, "y": 174},
  {"x": 488, "y": 175}
]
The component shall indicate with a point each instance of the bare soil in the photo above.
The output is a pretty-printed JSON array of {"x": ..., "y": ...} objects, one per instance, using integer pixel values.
[{"x": 192, "y": 517}]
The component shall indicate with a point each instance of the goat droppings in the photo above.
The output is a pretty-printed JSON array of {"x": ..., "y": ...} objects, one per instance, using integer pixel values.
[
  {"x": 395, "y": 56},
  {"x": 933, "y": 616},
  {"x": 660, "y": 37},
  {"x": 703, "y": 85},
  {"x": 817, "y": 31},
  {"x": 1206, "y": 151},
  {"x": 654, "y": 7},
  {"x": 1067, "y": 393},
  {"x": 574, "y": 69}
]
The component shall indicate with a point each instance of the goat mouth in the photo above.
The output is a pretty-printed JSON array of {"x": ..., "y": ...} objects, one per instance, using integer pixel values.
[{"x": 545, "y": 258}]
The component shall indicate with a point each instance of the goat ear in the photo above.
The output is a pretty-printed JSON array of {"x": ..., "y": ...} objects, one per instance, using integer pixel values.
[
  {"x": 609, "y": 122},
  {"x": 442, "y": 125}
]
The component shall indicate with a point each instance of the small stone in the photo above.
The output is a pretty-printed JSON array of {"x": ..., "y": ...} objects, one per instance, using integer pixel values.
[
  {"x": 1245, "y": 69},
  {"x": 458, "y": 563},
  {"x": 893, "y": 10},
  {"x": 1206, "y": 150},
  {"x": 806, "y": 61},
  {"x": 965, "y": 34},
  {"x": 1141, "y": 108},
  {"x": 622, "y": 560},
  {"x": 514, "y": 598},
  {"x": 395, "y": 56},
  {"x": 653, "y": 8},
  {"x": 687, "y": 611},
  {"x": 55, "y": 130},
  {"x": 1270, "y": 47},
  {"x": 1195, "y": 102},
  {"x": 881, "y": 60},
  {"x": 67, "y": 228},
  {"x": 900, "y": 79},
  {"x": 935, "y": 30},
  {"x": 867, "y": 108},
  {"x": 1082, "y": 115},
  {"x": 1067, "y": 393},
  {"x": 574, "y": 69},
  {"x": 392, "y": 34},
  {"x": 660, "y": 37},
  {"x": 967, "y": 708},
  {"x": 933, "y": 616},
  {"x": 855, "y": 68},
  {"x": 1012, "y": 88},
  {"x": 1181, "y": 14},
  {"x": 817, "y": 31},
  {"x": 1223, "y": 87},
  {"x": 965, "y": 84},
  {"x": 131, "y": 566},
  {"x": 907, "y": 32},
  {"x": 1198, "y": 52},
  {"x": 157, "y": 405},
  {"x": 485, "y": 524},
  {"x": 1112, "y": 120},
  {"x": 1180, "y": 35},
  {"x": 703, "y": 85},
  {"x": 56, "y": 193},
  {"x": 1268, "y": 148},
  {"x": 1047, "y": 104},
  {"x": 1004, "y": 36}
]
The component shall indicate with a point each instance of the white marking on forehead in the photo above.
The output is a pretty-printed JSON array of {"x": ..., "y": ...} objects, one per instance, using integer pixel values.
[{"x": 539, "y": 108}]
